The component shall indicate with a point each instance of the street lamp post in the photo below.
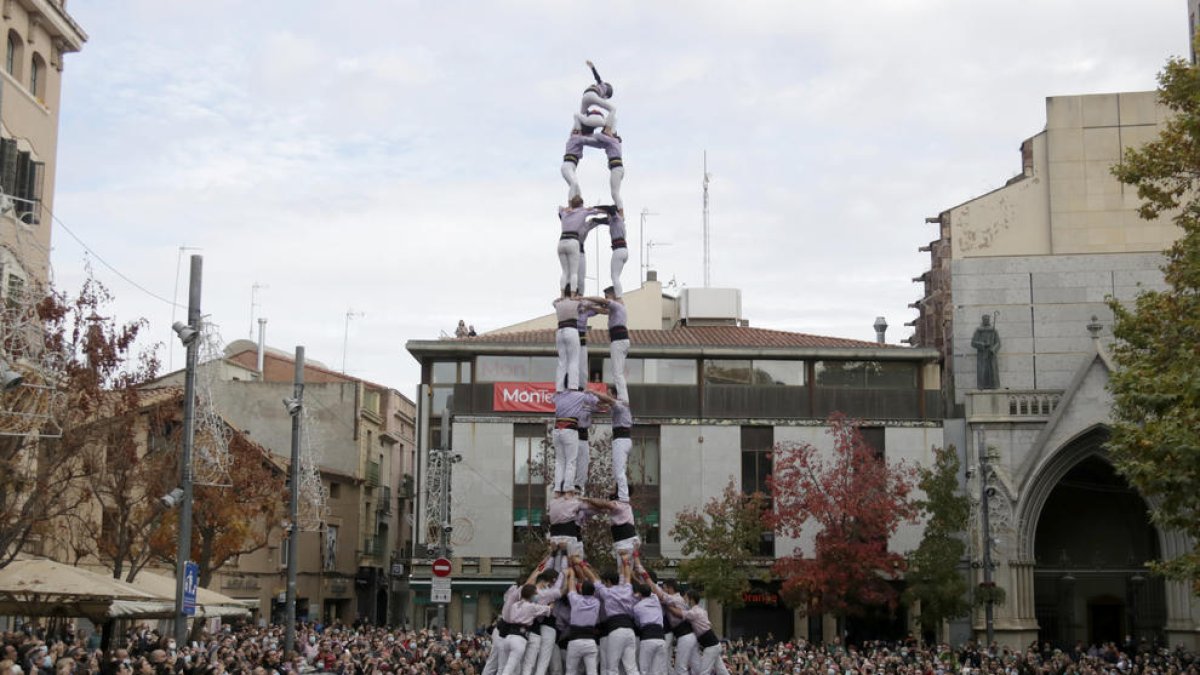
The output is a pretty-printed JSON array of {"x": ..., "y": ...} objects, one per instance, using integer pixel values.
[{"x": 189, "y": 335}]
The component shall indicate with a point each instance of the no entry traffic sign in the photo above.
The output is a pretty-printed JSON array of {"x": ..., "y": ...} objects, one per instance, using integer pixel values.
[{"x": 441, "y": 567}]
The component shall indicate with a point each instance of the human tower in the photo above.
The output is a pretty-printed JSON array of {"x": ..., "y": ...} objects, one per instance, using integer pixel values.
[{"x": 564, "y": 616}]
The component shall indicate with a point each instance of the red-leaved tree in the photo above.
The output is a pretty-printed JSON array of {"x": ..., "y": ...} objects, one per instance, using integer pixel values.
[{"x": 855, "y": 500}]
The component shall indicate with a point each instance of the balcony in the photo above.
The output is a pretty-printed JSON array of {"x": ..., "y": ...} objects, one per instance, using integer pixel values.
[
  {"x": 373, "y": 546},
  {"x": 372, "y": 475},
  {"x": 1012, "y": 405},
  {"x": 384, "y": 506},
  {"x": 406, "y": 487}
]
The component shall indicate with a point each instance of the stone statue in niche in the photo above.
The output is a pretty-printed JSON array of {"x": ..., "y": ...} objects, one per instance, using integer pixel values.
[{"x": 986, "y": 342}]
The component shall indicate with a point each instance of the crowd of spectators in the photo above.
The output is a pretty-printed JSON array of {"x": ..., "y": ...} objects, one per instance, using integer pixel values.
[{"x": 366, "y": 650}]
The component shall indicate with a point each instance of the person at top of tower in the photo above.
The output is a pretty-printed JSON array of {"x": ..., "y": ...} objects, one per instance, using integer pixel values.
[{"x": 595, "y": 109}]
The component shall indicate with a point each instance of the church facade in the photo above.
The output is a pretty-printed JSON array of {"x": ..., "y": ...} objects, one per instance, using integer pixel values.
[{"x": 1015, "y": 303}]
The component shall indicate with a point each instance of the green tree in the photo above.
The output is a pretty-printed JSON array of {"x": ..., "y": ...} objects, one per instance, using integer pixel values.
[
  {"x": 933, "y": 575},
  {"x": 720, "y": 543},
  {"x": 1156, "y": 389}
]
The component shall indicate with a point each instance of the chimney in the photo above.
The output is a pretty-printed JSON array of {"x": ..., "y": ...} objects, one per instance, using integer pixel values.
[
  {"x": 262, "y": 344},
  {"x": 880, "y": 329}
]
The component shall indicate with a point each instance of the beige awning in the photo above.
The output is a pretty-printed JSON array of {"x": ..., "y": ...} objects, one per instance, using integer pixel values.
[
  {"x": 41, "y": 587},
  {"x": 208, "y": 603}
]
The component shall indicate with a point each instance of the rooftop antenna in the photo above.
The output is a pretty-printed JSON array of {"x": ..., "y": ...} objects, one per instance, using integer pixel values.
[
  {"x": 350, "y": 314},
  {"x": 642, "y": 249},
  {"x": 254, "y": 303},
  {"x": 707, "y": 259},
  {"x": 650, "y": 245}
]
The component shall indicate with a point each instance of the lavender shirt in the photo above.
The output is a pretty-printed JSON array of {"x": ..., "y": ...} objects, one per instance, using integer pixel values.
[
  {"x": 577, "y": 404},
  {"x": 617, "y": 599},
  {"x": 586, "y": 311},
  {"x": 566, "y": 309},
  {"x": 648, "y": 611},
  {"x": 616, "y": 315},
  {"x": 616, "y": 226},
  {"x": 620, "y": 513},
  {"x": 575, "y": 221},
  {"x": 525, "y": 612},
  {"x": 511, "y": 596},
  {"x": 585, "y": 609},
  {"x": 565, "y": 510},
  {"x": 674, "y": 600},
  {"x": 621, "y": 415},
  {"x": 698, "y": 616},
  {"x": 610, "y": 144}
]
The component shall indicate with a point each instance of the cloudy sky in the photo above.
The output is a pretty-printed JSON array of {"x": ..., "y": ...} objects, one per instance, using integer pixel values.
[{"x": 400, "y": 159}]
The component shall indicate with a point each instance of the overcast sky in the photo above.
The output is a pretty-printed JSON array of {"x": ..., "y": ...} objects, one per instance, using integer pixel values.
[{"x": 401, "y": 159}]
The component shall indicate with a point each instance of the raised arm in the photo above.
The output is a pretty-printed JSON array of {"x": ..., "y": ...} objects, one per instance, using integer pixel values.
[{"x": 595, "y": 73}]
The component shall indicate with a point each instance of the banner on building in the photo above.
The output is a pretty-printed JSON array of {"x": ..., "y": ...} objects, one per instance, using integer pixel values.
[{"x": 529, "y": 396}]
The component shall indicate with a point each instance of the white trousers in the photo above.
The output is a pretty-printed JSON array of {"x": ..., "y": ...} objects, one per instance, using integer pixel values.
[
  {"x": 566, "y": 375},
  {"x": 583, "y": 456},
  {"x": 620, "y": 256},
  {"x": 583, "y": 363},
  {"x": 581, "y": 276},
  {"x": 568, "y": 258},
  {"x": 582, "y": 652},
  {"x": 615, "y": 176},
  {"x": 620, "y": 459},
  {"x": 533, "y": 644},
  {"x": 652, "y": 657},
  {"x": 514, "y": 654},
  {"x": 711, "y": 661},
  {"x": 621, "y": 650},
  {"x": 493, "y": 660},
  {"x": 547, "y": 650},
  {"x": 685, "y": 649},
  {"x": 558, "y": 663},
  {"x": 566, "y": 447},
  {"x": 618, "y": 351}
]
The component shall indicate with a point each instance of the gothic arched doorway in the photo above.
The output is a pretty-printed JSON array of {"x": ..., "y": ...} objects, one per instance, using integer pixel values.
[{"x": 1091, "y": 546}]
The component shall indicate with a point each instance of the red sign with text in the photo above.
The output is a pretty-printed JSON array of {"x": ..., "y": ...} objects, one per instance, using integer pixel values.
[{"x": 529, "y": 396}]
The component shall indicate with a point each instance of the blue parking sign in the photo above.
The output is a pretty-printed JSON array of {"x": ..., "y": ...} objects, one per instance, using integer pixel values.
[{"x": 191, "y": 581}]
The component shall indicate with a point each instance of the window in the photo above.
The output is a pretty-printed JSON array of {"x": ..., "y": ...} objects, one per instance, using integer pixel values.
[
  {"x": 757, "y": 372},
  {"x": 866, "y": 374},
  {"x": 329, "y": 548},
  {"x": 655, "y": 371},
  {"x": 371, "y": 401},
  {"x": 874, "y": 437},
  {"x": 516, "y": 368},
  {"x": 335, "y": 490},
  {"x": 783, "y": 373},
  {"x": 14, "y": 54},
  {"x": 37, "y": 73},
  {"x": 21, "y": 178},
  {"x": 15, "y": 291},
  {"x": 644, "y": 474},
  {"x": 532, "y": 460},
  {"x": 757, "y": 461}
]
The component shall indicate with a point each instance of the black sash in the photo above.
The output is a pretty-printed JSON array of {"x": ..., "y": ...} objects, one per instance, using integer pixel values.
[
  {"x": 503, "y": 626},
  {"x": 568, "y": 529},
  {"x": 623, "y": 531},
  {"x": 617, "y": 621},
  {"x": 568, "y": 323},
  {"x": 682, "y": 628},
  {"x": 707, "y": 639},
  {"x": 583, "y": 433},
  {"x": 618, "y": 333},
  {"x": 569, "y": 235},
  {"x": 581, "y": 633},
  {"x": 652, "y": 631},
  {"x": 622, "y": 432}
]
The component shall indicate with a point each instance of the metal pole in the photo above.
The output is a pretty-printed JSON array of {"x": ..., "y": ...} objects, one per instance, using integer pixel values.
[
  {"x": 189, "y": 437},
  {"x": 444, "y": 509},
  {"x": 984, "y": 472},
  {"x": 289, "y": 641}
]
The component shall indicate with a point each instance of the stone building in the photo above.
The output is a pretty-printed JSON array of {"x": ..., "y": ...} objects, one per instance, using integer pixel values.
[
  {"x": 364, "y": 434},
  {"x": 1038, "y": 257},
  {"x": 38, "y": 36},
  {"x": 710, "y": 395}
]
